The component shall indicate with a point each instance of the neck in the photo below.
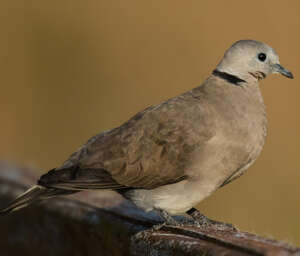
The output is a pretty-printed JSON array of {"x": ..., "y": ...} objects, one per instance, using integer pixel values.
[{"x": 228, "y": 77}]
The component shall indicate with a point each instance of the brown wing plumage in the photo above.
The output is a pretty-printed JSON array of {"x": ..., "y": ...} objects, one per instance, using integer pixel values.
[{"x": 152, "y": 149}]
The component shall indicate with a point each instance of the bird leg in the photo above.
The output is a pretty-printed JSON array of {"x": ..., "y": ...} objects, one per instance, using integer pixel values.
[
  {"x": 169, "y": 220},
  {"x": 198, "y": 219},
  {"x": 204, "y": 221},
  {"x": 178, "y": 221}
]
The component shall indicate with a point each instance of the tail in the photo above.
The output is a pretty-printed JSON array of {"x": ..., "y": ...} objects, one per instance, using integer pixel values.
[{"x": 32, "y": 195}]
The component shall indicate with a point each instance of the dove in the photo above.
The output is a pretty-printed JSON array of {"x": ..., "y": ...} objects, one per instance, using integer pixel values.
[{"x": 169, "y": 157}]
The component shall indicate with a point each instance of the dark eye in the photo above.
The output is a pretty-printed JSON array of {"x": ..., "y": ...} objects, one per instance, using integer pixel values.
[{"x": 262, "y": 57}]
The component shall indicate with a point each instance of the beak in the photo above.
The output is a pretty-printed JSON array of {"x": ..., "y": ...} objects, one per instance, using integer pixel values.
[{"x": 281, "y": 70}]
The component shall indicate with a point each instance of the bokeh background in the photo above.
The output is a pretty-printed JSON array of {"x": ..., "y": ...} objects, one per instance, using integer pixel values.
[{"x": 70, "y": 69}]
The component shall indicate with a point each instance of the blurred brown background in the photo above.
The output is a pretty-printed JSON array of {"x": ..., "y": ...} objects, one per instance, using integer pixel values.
[{"x": 70, "y": 69}]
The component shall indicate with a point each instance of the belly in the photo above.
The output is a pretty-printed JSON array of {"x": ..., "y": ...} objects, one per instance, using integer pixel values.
[{"x": 174, "y": 198}]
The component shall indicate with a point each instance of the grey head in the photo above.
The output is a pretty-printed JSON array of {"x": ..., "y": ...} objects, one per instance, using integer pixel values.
[{"x": 251, "y": 61}]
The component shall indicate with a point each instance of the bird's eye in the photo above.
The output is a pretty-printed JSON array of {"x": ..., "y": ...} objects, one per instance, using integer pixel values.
[{"x": 262, "y": 57}]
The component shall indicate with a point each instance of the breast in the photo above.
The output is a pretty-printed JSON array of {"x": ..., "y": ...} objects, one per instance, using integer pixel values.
[{"x": 244, "y": 134}]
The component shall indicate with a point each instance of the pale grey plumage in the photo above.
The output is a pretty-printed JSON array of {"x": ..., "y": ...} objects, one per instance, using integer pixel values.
[{"x": 171, "y": 156}]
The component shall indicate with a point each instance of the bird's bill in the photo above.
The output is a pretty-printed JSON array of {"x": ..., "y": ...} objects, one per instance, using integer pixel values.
[{"x": 281, "y": 70}]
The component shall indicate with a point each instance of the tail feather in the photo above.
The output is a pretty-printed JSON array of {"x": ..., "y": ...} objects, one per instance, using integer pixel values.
[{"x": 32, "y": 195}]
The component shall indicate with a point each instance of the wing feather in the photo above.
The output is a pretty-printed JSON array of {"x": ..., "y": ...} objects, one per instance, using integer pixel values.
[{"x": 154, "y": 148}]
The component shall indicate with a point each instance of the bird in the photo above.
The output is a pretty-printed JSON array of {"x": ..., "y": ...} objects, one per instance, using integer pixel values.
[{"x": 169, "y": 157}]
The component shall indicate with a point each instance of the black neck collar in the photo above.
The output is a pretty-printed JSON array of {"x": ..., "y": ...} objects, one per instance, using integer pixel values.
[{"x": 229, "y": 78}]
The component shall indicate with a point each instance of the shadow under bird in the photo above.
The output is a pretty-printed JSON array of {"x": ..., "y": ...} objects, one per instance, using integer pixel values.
[{"x": 169, "y": 157}]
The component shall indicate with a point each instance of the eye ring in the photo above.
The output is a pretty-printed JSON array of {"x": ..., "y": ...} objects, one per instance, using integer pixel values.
[{"x": 262, "y": 56}]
